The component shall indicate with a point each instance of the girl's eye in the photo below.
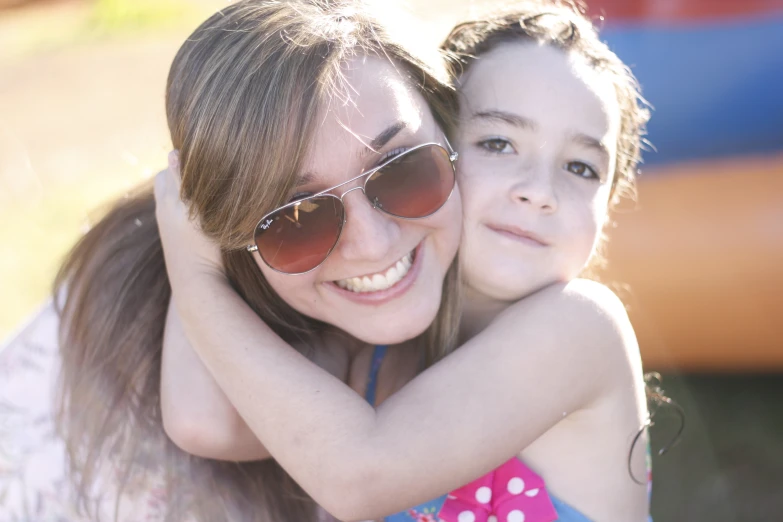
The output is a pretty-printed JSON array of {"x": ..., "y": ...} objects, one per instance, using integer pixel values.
[
  {"x": 497, "y": 145},
  {"x": 581, "y": 169}
]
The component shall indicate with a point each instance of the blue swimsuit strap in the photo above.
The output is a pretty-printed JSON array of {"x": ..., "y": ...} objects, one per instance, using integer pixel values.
[{"x": 372, "y": 383}]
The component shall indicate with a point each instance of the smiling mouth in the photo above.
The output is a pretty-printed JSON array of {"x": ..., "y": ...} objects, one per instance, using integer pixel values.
[{"x": 381, "y": 280}]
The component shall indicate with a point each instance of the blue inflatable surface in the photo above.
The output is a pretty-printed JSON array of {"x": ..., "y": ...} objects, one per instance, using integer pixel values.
[{"x": 716, "y": 86}]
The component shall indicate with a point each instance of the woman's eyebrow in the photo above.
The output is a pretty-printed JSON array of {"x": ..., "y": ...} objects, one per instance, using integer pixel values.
[
  {"x": 506, "y": 117},
  {"x": 304, "y": 179},
  {"x": 384, "y": 137}
]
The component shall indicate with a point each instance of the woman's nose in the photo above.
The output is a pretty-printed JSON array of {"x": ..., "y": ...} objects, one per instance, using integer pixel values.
[{"x": 368, "y": 234}]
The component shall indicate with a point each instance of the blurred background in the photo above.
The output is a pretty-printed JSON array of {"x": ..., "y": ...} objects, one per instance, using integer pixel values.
[{"x": 698, "y": 260}]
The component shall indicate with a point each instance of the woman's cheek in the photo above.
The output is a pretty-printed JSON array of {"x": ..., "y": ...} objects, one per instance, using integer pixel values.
[
  {"x": 452, "y": 225},
  {"x": 291, "y": 289}
]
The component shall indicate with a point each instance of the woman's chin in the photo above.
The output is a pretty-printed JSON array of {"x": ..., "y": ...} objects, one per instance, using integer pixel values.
[{"x": 384, "y": 332}]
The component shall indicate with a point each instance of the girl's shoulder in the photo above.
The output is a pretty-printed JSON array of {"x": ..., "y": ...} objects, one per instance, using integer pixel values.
[
  {"x": 586, "y": 303},
  {"x": 583, "y": 320},
  {"x": 592, "y": 297},
  {"x": 586, "y": 306},
  {"x": 603, "y": 314}
]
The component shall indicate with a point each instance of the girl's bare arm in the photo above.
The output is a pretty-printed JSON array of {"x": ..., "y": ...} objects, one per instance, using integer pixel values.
[{"x": 197, "y": 415}]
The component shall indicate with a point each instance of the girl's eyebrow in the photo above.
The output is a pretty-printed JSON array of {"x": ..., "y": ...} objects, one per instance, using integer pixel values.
[
  {"x": 522, "y": 122},
  {"x": 507, "y": 117},
  {"x": 591, "y": 143}
]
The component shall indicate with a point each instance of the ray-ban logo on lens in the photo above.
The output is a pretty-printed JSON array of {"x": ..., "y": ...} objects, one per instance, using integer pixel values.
[{"x": 265, "y": 225}]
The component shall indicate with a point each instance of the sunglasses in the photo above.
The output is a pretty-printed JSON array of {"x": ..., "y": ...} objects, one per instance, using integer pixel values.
[{"x": 297, "y": 237}]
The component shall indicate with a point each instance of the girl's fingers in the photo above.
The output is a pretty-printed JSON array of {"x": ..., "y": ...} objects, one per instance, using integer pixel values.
[
  {"x": 167, "y": 182},
  {"x": 174, "y": 161},
  {"x": 174, "y": 169}
]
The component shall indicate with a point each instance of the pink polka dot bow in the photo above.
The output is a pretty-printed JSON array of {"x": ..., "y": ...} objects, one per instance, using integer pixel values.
[{"x": 511, "y": 493}]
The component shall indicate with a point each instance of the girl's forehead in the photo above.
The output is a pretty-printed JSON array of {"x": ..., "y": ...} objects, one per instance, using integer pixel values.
[{"x": 541, "y": 83}]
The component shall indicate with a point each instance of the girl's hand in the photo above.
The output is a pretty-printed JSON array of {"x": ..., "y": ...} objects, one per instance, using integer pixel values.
[{"x": 185, "y": 247}]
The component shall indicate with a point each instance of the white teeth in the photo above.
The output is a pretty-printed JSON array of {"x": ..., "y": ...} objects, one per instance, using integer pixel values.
[
  {"x": 378, "y": 282},
  {"x": 393, "y": 274}
]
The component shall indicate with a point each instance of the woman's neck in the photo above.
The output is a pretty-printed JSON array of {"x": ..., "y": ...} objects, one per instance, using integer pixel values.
[{"x": 478, "y": 310}]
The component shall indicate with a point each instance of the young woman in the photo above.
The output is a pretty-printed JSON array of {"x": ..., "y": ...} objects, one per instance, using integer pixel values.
[
  {"x": 549, "y": 135},
  {"x": 263, "y": 97}
]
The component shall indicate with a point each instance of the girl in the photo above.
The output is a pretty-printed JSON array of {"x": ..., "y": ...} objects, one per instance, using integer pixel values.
[
  {"x": 549, "y": 135},
  {"x": 260, "y": 98}
]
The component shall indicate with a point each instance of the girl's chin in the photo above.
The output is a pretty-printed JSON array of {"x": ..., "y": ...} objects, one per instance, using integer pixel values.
[{"x": 510, "y": 291}]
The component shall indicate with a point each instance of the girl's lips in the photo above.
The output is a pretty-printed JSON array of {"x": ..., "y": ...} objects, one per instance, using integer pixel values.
[
  {"x": 518, "y": 234},
  {"x": 383, "y": 296}
]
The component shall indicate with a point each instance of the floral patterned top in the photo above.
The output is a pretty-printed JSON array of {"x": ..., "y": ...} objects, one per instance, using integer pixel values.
[{"x": 34, "y": 483}]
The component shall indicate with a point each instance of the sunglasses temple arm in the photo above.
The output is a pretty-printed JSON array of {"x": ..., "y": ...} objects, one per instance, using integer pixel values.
[{"x": 454, "y": 155}]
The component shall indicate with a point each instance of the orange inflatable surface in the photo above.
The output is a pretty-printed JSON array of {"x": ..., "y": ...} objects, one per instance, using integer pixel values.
[{"x": 700, "y": 265}]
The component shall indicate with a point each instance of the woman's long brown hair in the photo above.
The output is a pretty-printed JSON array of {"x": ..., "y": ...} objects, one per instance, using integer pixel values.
[{"x": 242, "y": 100}]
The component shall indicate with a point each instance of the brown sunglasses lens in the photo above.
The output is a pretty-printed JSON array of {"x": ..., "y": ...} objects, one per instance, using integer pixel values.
[
  {"x": 298, "y": 238},
  {"x": 414, "y": 186}
]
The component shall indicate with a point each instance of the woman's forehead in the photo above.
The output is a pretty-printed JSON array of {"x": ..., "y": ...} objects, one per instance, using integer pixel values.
[
  {"x": 374, "y": 91},
  {"x": 376, "y": 103}
]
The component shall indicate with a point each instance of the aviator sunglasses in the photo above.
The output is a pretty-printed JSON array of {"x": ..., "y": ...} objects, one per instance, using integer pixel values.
[{"x": 297, "y": 237}]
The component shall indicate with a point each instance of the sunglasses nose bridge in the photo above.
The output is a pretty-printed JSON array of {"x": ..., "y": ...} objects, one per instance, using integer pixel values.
[
  {"x": 342, "y": 196},
  {"x": 374, "y": 202}
]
